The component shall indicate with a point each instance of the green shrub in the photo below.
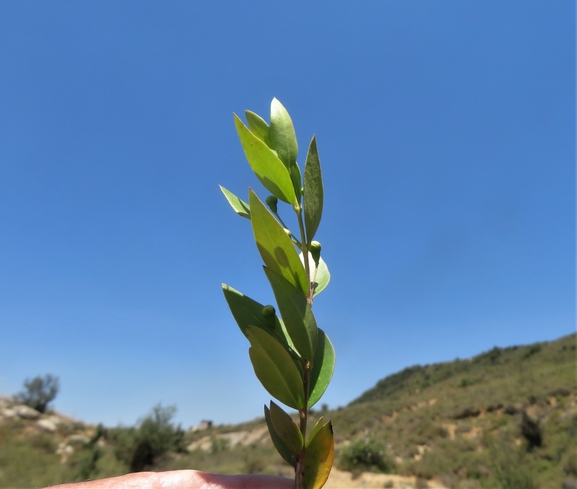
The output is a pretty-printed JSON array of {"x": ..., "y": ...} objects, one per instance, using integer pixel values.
[
  {"x": 366, "y": 454},
  {"x": 39, "y": 392},
  {"x": 155, "y": 436},
  {"x": 219, "y": 445},
  {"x": 466, "y": 382},
  {"x": 570, "y": 462},
  {"x": 86, "y": 463},
  {"x": 510, "y": 467},
  {"x": 426, "y": 431},
  {"x": 533, "y": 350}
]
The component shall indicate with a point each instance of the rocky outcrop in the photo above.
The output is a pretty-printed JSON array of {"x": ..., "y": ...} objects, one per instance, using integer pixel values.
[
  {"x": 26, "y": 412},
  {"x": 470, "y": 412},
  {"x": 71, "y": 437},
  {"x": 514, "y": 408},
  {"x": 494, "y": 407},
  {"x": 47, "y": 425},
  {"x": 230, "y": 440},
  {"x": 203, "y": 425}
]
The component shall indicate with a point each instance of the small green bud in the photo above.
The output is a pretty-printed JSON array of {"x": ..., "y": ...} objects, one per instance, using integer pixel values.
[
  {"x": 272, "y": 202},
  {"x": 268, "y": 311},
  {"x": 288, "y": 232},
  {"x": 315, "y": 250},
  {"x": 270, "y": 315}
]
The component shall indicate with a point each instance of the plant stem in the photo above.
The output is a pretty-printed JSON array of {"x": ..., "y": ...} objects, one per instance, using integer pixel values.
[
  {"x": 305, "y": 252},
  {"x": 306, "y": 364},
  {"x": 303, "y": 414},
  {"x": 280, "y": 220}
]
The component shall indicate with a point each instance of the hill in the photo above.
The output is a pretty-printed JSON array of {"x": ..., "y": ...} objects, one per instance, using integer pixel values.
[
  {"x": 506, "y": 418},
  {"x": 508, "y": 413}
]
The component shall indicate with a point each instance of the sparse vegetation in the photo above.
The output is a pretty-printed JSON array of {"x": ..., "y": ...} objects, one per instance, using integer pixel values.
[
  {"x": 522, "y": 400},
  {"x": 365, "y": 455},
  {"x": 39, "y": 392},
  {"x": 516, "y": 427},
  {"x": 140, "y": 448}
]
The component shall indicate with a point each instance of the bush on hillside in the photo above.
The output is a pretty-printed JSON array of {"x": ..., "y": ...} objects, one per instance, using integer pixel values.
[
  {"x": 39, "y": 392},
  {"x": 510, "y": 467},
  {"x": 84, "y": 463},
  {"x": 366, "y": 454},
  {"x": 533, "y": 349},
  {"x": 139, "y": 448}
]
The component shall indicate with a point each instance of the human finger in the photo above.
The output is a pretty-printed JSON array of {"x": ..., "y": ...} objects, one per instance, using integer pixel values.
[{"x": 183, "y": 479}]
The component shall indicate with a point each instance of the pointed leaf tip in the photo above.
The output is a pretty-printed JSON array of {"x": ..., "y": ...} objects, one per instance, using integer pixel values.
[
  {"x": 286, "y": 428},
  {"x": 238, "y": 205},
  {"x": 258, "y": 127},
  {"x": 285, "y": 452},
  {"x": 266, "y": 165},
  {"x": 314, "y": 193},
  {"x": 282, "y": 134},
  {"x": 319, "y": 458}
]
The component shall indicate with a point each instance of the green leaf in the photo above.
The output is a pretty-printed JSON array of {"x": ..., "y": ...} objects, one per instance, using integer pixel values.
[
  {"x": 323, "y": 275},
  {"x": 239, "y": 206},
  {"x": 322, "y": 369},
  {"x": 295, "y": 173},
  {"x": 319, "y": 457},
  {"x": 296, "y": 313},
  {"x": 313, "y": 185},
  {"x": 291, "y": 347},
  {"x": 275, "y": 247},
  {"x": 286, "y": 428},
  {"x": 285, "y": 452},
  {"x": 322, "y": 278},
  {"x": 282, "y": 134},
  {"x": 258, "y": 127},
  {"x": 275, "y": 368},
  {"x": 318, "y": 425},
  {"x": 266, "y": 165},
  {"x": 248, "y": 312}
]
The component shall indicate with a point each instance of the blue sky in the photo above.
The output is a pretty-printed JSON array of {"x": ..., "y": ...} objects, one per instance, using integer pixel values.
[{"x": 446, "y": 131}]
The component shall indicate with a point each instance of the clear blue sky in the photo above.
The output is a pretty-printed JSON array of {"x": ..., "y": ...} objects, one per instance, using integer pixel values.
[{"x": 446, "y": 132}]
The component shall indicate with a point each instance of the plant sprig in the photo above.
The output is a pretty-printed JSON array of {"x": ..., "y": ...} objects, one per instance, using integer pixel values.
[{"x": 292, "y": 357}]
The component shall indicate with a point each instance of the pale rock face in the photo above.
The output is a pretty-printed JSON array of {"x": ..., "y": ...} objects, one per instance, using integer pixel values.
[
  {"x": 57, "y": 420},
  {"x": 242, "y": 438},
  {"x": 46, "y": 425},
  {"x": 78, "y": 439},
  {"x": 8, "y": 413},
  {"x": 26, "y": 412},
  {"x": 203, "y": 425},
  {"x": 64, "y": 451}
]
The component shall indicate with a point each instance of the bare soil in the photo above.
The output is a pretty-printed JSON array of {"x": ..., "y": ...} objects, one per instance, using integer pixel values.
[{"x": 344, "y": 480}]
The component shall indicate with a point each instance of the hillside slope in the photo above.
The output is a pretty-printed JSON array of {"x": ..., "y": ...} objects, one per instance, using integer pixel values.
[
  {"x": 506, "y": 418},
  {"x": 510, "y": 409},
  {"x": 518, "y": 372}
]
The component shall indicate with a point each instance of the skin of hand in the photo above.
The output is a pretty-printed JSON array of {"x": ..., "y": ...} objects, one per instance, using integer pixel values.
[{"x": 183, "y": 479}]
